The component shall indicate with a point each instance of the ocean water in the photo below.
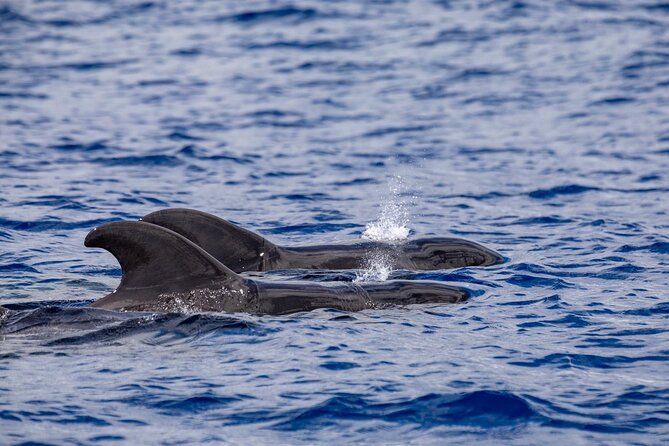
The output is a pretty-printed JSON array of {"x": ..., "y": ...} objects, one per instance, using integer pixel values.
[{"x": 540, "y": 129}]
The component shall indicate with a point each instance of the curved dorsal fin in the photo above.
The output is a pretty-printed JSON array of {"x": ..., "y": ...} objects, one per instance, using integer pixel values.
[
  {"x": 237, "y": 248},
  {"x": 152, "y": 256}
]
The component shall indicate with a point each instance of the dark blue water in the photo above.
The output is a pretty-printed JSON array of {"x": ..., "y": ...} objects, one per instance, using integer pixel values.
[{"x": 540, "y": 129}]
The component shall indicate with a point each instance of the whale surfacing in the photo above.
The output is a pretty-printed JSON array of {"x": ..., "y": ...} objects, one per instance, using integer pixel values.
[
  {"x": 242, "y": 250},
  {"x": 163, "y": 271}
]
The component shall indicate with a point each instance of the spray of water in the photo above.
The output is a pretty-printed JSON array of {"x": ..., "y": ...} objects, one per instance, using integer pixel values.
[
  {"x": 392, "y": 224},
  {"x": 391, "y": 227},
  {"x": 377, "y": 267}
]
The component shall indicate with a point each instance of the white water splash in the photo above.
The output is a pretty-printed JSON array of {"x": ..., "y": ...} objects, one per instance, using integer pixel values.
[
  {"x": 377, "y": 267},
  {"x": 391, "y": 227},
  {"x": 392, "y": 224}
]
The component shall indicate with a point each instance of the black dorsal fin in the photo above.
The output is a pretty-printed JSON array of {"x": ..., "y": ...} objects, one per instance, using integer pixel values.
[
  {"x": 237, "y": 248},
  {"x": 155, "y": 257}
]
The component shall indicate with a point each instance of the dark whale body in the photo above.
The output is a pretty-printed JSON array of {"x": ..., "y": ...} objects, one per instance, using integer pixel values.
[
  {"x": 165, "y": 272},
  {"x": 242, "y": 250}
]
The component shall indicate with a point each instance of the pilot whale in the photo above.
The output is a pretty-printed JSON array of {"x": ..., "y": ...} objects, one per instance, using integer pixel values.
[
  {"x": 242, "y": 250},
  {"x": 163, "y": 271}
]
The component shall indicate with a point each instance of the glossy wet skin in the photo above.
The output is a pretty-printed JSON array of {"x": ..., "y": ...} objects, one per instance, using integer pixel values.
[
  {"x": 242, "y": 250},
  {"x": 284, "y": 298},
  {"x": 420, "y": 254},
  {"x": 165, "y": 272}
]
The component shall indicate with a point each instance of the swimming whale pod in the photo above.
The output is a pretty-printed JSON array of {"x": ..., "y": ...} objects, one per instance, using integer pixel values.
[
  {"x": 242, "y": 250},
  {"x": 164, "y": 271}
]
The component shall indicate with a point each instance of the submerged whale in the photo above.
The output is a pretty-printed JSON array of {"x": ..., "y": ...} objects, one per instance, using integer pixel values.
[
  {"x": 242, "y": 250},
  {"x": 165, "y": 272}
]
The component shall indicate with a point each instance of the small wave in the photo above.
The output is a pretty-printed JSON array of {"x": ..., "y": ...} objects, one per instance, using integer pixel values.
[
  {"x": 63, "y": 325},
  {"x": 182, "y": 135},
  {"x": 200, "y": 153},
  {"x": 543, "y": 220},
  {"x": 476, "y": 73},
  {"x": 165, "y": 329},
  {"x": 490, "y": 150},
  {"x": 570, "y": 189},
  {"x": 572, "y": 360},
  {"x": 68, "y": 22},
  {"x": 626, "y": 271},
  {"x": 531, "y": 281},
  {"x": 84, "y": 65},
  {"x": 479, "y": 408},
  {"x": 316, "y": 196},
  {"x": 50, "y": 224},
  {"x": 21, "y": 95},
  {"x": 456, "y": 35},
  {"x": 659, "y": 309},
  {"x": 339, "y": 365},
  {"x": 194, "y": 404},
  {"x": 8, "y": 15},
  {"x": 658, "y": 247},
  {"x": 615, "y": 100},
  {"x": 17, "y": 267},
  {"x": 148, "y": 160},
  {"x": 306, "y": 45},
  {"x": 68, "y": 145},
  {"x": 296, "y": 15},
  {"x": 392, "y": 130}
]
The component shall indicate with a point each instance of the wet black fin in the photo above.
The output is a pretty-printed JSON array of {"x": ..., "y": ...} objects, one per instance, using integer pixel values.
[
  {"x": 237, "y": 248},
  {"x": 157, "y": 258}
]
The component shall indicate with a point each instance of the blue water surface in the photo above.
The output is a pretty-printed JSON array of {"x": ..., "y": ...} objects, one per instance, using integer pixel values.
[{"x": 540, "y": 129}]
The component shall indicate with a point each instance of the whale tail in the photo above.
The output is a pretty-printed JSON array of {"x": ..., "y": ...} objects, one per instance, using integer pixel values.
[
  {"x": 237, "y": 248},
  {"x": 156, "y": 261}
]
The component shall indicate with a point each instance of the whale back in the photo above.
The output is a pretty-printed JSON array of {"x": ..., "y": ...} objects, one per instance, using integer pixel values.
[
  {"x": 155, "y": 261},
  {"x": 237, "y": 248}
]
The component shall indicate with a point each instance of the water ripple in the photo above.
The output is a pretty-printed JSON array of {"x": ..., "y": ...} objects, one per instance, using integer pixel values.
[{"x": 535, "y": 128}]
